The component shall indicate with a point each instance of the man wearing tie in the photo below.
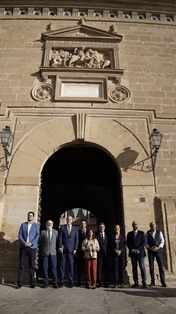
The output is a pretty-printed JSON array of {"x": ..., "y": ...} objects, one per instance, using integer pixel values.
[
  {"x": 47, "y": 244},
  {"x": 103, "y": 258},
  {"x": 28, "y": 236},
  {"x": 68, "y": 245},
  {"x": 135, "y": 244},
  {"x": 80, "y": 253},
  {"x": 154, "y": 245}
]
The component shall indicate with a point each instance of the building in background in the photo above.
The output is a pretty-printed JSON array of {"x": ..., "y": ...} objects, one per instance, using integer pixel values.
[{"x": 82, "y": 87}]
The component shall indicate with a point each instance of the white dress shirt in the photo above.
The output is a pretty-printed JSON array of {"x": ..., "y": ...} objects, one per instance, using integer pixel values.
[{"x": 29, "y": 228}]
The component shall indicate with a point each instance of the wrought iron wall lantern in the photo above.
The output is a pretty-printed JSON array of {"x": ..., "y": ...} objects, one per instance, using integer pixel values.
[
  {"x": 6, "y": 138},
  {"x": 155, "y": 142}
]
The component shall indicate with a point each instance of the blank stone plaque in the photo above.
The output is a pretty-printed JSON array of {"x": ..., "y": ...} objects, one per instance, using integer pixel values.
[{"x": 81, "y": 90}]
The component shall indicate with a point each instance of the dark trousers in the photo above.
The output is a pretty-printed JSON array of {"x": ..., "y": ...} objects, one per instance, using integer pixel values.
[
  {"x": 30, "y": 253},
  {"x": 137, "y": 259},
  {"x": 81, "y": 267},
  {"x": 159, "y": 259},
  {"x": 63, "y": 257},
  {"x": 50, "y": 260},
  {"x": 118, "y": 267},
  {"x": 103, "y": 265}
]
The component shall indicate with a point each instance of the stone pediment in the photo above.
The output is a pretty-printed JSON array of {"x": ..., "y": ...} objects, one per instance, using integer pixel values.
[{"x": 82, "y": 32}]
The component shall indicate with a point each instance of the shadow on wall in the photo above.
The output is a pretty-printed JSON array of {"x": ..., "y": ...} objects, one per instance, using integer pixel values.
[
  {"x": 127, "y": 158},
  {"x": 159, "y": 220},
  {"x": 6, "y": 246},
  {"x": 9, "y": 257}
]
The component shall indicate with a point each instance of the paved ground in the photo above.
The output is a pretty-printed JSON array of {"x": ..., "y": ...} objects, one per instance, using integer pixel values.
[{"x": 81, "y": 300}]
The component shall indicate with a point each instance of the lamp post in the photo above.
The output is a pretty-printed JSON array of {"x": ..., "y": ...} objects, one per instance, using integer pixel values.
[
  {"x": 6, "y": 138},
  {"x": 155, "y": 141}
]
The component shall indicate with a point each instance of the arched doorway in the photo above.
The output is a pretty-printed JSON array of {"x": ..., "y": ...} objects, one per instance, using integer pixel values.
[{"x": 81, "y": 175}]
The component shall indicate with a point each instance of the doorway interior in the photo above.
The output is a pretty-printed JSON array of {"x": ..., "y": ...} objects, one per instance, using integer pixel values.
[{"x": 81, "y": 175}]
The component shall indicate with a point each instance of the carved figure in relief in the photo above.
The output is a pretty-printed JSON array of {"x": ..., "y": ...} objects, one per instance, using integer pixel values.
[
  {"x": 59, "y": 58},
  {"x": 98, "y": 60},
  {"x": 79, "y": 58},
  {"x": 78, "y": 54}
]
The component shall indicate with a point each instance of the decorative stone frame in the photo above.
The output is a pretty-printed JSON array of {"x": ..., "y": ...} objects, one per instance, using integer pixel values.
[
  {"x": 104, "y": 43},
  {"x": 103, "y": 97}
]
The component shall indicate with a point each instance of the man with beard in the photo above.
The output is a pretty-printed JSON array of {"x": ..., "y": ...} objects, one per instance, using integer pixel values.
[
  {"x": 135, "y": 244},
  {"x": 28, "y": 236},
  {"x": 47, "y": 244},
  {"x": 154, "y": 245}
]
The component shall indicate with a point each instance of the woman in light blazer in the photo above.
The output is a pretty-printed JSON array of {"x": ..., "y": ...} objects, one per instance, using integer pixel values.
[{"x": 90, "y": 246}]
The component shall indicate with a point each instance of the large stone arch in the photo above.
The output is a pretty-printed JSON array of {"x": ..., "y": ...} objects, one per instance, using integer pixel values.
[
  {"x": 36, "y": 147},
  {"x": 31, "y": 153}
]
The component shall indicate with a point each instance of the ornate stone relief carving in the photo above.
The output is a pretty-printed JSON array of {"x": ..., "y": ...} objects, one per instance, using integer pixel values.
[
  {"x": 78, "y": 61},
  {"x": 119, "y": 94},
  {"x": 80, "y": 57},
  {"x": 42, "y": 92}
]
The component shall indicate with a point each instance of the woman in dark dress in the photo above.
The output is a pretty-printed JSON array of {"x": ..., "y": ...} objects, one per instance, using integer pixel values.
[{"x": 118, "y": 246}]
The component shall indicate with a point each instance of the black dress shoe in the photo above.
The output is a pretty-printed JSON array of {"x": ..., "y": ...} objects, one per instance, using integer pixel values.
[
  {"x": 152, "y": 284},
  {"x": 18, "y": 286},
  {"x": 45, "y": 285},
  {"x": 144, "y": 285},
  {"x": 135, "y": 285},
  {"x": 33, "y": 285},
  {"x": 55, "y": 285},
  {"x": 164, "y": 285},
  {"x": 79, "y": 284},
  {"x": 106, "y": 285}
]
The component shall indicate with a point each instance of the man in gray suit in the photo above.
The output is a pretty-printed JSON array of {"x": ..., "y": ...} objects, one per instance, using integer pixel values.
[{"x": 47, "y": 244}]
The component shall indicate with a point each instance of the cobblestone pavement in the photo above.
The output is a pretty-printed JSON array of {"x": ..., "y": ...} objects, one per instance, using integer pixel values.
[{"x": 81, "y": 300}]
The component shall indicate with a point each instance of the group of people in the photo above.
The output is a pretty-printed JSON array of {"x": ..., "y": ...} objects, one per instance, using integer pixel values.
[{"x": 94, "y": 252}]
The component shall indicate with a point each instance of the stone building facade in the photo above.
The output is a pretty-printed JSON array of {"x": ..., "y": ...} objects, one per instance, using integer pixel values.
[{"x": 82, "y": 87}]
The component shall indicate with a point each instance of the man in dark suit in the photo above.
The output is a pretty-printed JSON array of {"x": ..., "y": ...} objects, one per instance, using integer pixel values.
[
  {"x": 80, "y": 253},
  {"x": 103, "y": 256},
  {"x": 47, "y": 244},
  {"x": 28, "y": 236},
  {"x": 135, "y": 244},
  {"x": 154, "y": 245},
  {"x": 68, "y": 245}
]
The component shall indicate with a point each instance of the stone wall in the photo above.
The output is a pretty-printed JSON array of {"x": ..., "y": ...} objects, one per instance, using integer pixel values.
[{"x": 147, "y": 55}]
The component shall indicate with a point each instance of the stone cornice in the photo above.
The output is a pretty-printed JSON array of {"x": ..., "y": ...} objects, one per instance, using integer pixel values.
[{"x": 152, "y": 5}]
